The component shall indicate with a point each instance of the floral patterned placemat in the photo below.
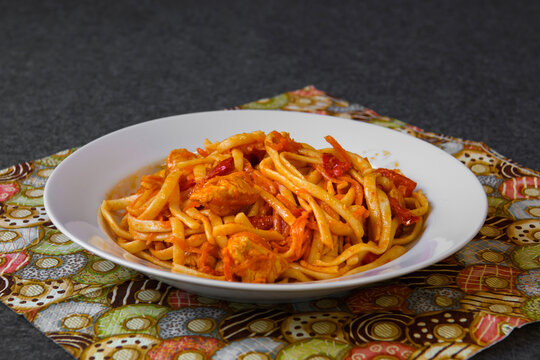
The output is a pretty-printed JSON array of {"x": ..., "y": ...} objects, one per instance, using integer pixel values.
[{"x": 98, "y": 310}]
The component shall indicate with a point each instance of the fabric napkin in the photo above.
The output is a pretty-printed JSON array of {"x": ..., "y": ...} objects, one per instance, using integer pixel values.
[{"x": 96, "y": 309}]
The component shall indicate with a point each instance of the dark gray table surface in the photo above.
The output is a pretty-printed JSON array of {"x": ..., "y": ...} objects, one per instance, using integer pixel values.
[{"x": 73, "y": 71}]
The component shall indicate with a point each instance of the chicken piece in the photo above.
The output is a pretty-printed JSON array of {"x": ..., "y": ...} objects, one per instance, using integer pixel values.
[
  {"x": 226, "y": 195},
  {"x": 249, "y": 257}
]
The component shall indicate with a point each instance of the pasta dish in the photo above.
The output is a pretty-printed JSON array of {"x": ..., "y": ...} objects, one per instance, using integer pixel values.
[{"x": 263, "y": 208}]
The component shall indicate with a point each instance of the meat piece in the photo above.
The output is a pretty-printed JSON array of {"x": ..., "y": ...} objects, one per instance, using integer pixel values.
[
  {"x": 249, "y": 257},
  {"x": 226, "y": 195}
]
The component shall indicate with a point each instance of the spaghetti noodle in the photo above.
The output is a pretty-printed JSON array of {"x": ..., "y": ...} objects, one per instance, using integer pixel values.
[{"x": 264, "y": 208}]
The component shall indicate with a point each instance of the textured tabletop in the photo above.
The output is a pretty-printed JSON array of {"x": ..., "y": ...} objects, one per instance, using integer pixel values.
[{"x": 71, "y": 72}]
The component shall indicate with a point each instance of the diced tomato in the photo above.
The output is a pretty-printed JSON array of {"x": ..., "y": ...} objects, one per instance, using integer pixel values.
[
  {"x": 297, "y": 212},
  {"x": 405, "y": 216},
  {"x": 262, "y": 222},
  {"x": 223, "y": 167},
  {"x": 283, "y": 143},
  {"x": 185, "y": 183},
  {"x": 405, "y": 185},
  {"x": 333, "y": 166}
]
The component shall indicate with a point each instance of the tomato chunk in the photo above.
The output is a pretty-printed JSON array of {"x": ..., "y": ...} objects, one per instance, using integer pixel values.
[
  {"x": 405, "y": 216},
  {"x": 262, "y": 222},
  {"x": 283, "y": 143},
  {"x": 186, "y": 182},
  {"x": 223, "y": 167},
  {"x": 405, "y": 185},
  {"x": 333, "y": 166}
]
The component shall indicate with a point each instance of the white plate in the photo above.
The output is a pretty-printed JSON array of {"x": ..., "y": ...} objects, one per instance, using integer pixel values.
[{"x": 76, "y": 188}]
